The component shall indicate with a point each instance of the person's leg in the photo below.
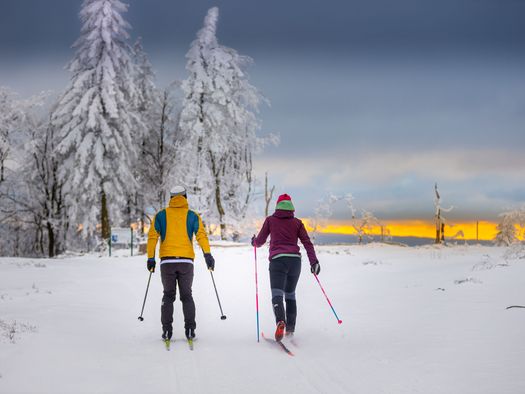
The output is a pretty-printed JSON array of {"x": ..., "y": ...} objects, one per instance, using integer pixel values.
[
  {"x": 167, "y": 273},
  {"x": 294, "y": 271},
  {"x": 185, "y": 279},
  {"x": 277, "y": 282}
]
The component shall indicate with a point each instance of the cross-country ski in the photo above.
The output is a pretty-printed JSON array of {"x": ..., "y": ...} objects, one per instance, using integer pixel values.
[{"x": 278, "y": 344}]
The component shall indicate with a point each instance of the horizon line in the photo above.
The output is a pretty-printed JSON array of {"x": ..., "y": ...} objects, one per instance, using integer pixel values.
[{"x": 465, "y": 230}]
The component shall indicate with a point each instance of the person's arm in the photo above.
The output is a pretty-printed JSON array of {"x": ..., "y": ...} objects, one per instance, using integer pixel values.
[
  {"x": 204, "y": 243},
  {"x": 305, "y": 240},
  {"x": 261, "y": 238},
  {"x": 202, "y": 237},
  {"x": 153, "y": 237}
]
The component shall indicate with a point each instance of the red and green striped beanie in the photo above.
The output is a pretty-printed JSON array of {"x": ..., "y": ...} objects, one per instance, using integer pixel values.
[{"x": 284, "y": 202}]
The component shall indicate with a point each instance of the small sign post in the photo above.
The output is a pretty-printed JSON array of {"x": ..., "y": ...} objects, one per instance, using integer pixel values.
[{"x": 131, "y": 243}]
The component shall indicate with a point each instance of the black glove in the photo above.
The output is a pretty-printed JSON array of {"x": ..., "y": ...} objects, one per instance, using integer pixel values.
[
  {"x": 210, "y": 261},
  {"x": 151, "y": 265},
  {"x": 253, "y": 241},
  {"x": 315, "y": 268}
]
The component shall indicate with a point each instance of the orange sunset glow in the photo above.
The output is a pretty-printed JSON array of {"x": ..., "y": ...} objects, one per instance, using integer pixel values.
[{"x": 415, "y": 228}]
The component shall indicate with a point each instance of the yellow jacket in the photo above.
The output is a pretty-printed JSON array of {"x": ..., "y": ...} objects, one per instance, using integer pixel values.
[{"x": 175, "y": 226}]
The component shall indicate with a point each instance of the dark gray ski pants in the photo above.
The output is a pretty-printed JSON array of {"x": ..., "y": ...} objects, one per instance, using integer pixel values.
[
  {"x": 171, "y": 274},
  {"x": 284, "y": 275}
]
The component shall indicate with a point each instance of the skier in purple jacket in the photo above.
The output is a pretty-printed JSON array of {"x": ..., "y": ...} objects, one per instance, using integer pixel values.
[{"x": 285, "y": 261}]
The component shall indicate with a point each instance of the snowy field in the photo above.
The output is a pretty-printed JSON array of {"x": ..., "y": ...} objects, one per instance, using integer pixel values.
[{"x": 415, "y": 320}]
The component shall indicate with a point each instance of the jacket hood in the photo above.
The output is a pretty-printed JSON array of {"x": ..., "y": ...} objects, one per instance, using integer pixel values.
[
  {"x": 178, "y": 202},
  {"x": 283, "y": 214}
]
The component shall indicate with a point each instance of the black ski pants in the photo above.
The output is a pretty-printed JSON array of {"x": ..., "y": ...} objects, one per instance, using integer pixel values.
[
  {"x": 173, "y": 274},
  {"x": 284, "y": 275}
]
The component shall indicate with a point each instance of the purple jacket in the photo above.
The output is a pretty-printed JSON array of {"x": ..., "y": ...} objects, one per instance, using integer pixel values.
[{"x": 284, "y": 230}]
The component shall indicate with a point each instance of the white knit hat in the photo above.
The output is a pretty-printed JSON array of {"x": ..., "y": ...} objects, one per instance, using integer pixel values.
[{"x": 178, "y": 191}]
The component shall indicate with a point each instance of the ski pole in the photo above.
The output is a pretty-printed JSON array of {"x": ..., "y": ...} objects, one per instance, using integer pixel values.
[
  {"x": 223, "y": 316},
  {"x": 339, "y": 321},
  {"x": 256, "y": 292},
  {"x": 145, "y": 295}
]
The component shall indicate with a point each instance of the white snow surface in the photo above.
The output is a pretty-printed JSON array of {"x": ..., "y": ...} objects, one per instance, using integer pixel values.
[{"x": 415, "y": 320}]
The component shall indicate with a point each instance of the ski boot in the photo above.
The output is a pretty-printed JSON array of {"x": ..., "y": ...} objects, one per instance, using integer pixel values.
[
  {"x": 279, "y": 331},
  {"x": 166, "y": 334},
  {"x": 190, "y": 333}
]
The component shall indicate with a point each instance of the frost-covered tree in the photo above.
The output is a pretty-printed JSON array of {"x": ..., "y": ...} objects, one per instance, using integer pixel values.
[
  {"x": 160, "y": 155},
  {"x": 144, "y": 79},
  {"x": 324, "y": 211},
  {"x": 147, "y": 101},
  {"x": 218, "y": 127},
  {"x": 45, "y": 186},
  {"x": 365, "y": 225},
  {"x": 96, "y": 118},
  {"x": 507, "y": 230},
  {"x": 363, "y": 221},
  {"x": 31, "y": 196},
  {"x": 13, "y": 216},
  {"x": 11, "y": 115},
  {"x": 160, "y": 110}
]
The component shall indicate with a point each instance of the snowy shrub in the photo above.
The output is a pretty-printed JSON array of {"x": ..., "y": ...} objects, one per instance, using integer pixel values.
[
  {"x": 516, "y": 251},
  {"x": 12, "y": 330},
  {"x": 488, "y": 263}
]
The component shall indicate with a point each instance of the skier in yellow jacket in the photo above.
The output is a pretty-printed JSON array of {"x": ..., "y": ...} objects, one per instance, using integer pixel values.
[{"x": 175, "y": 226}]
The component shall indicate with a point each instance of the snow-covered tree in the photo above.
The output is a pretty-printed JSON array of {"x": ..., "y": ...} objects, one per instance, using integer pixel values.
[
  {"x": 144, "y": 79},
  {"x": 363, "y": 221},
  {"x": 11, "y": 115},
  {"x": 45, "y": 186},
  {"x": 147, "y": 101},
  {"x": 12, "y": 214},
  {"x": 160, "y": 110},
  {"x": 160, "y": 155},
  {"x": 507, "y": 230},
  {"x": 218, "y": 127},
  {"x": 365, "y": 225},
  {"x": 324, "y": 211},
  {"x": 31, "y": 195},
  {"x": 96, "y": 117}
]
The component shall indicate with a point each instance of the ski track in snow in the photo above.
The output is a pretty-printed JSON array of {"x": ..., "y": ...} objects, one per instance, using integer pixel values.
[{"x": 399, "y": 335}]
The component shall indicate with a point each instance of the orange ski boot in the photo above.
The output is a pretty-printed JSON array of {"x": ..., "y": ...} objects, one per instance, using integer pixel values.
[{"x": 279, "y": 331}]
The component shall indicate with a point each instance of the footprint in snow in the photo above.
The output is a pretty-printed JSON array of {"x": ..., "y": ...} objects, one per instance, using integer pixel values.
[{"x": 467, "y": 280}]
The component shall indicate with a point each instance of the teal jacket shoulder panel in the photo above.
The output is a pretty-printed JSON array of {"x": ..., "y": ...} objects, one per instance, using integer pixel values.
[
  {"x": 160, "y": 224},
  {"x": 192, "y": 224}
]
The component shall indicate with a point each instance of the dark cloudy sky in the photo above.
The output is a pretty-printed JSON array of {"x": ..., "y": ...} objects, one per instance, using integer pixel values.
[{"x": 379, "y": 98}]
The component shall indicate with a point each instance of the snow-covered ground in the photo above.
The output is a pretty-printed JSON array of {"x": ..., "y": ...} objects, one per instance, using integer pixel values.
[{"x": 415, "y": 320}]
